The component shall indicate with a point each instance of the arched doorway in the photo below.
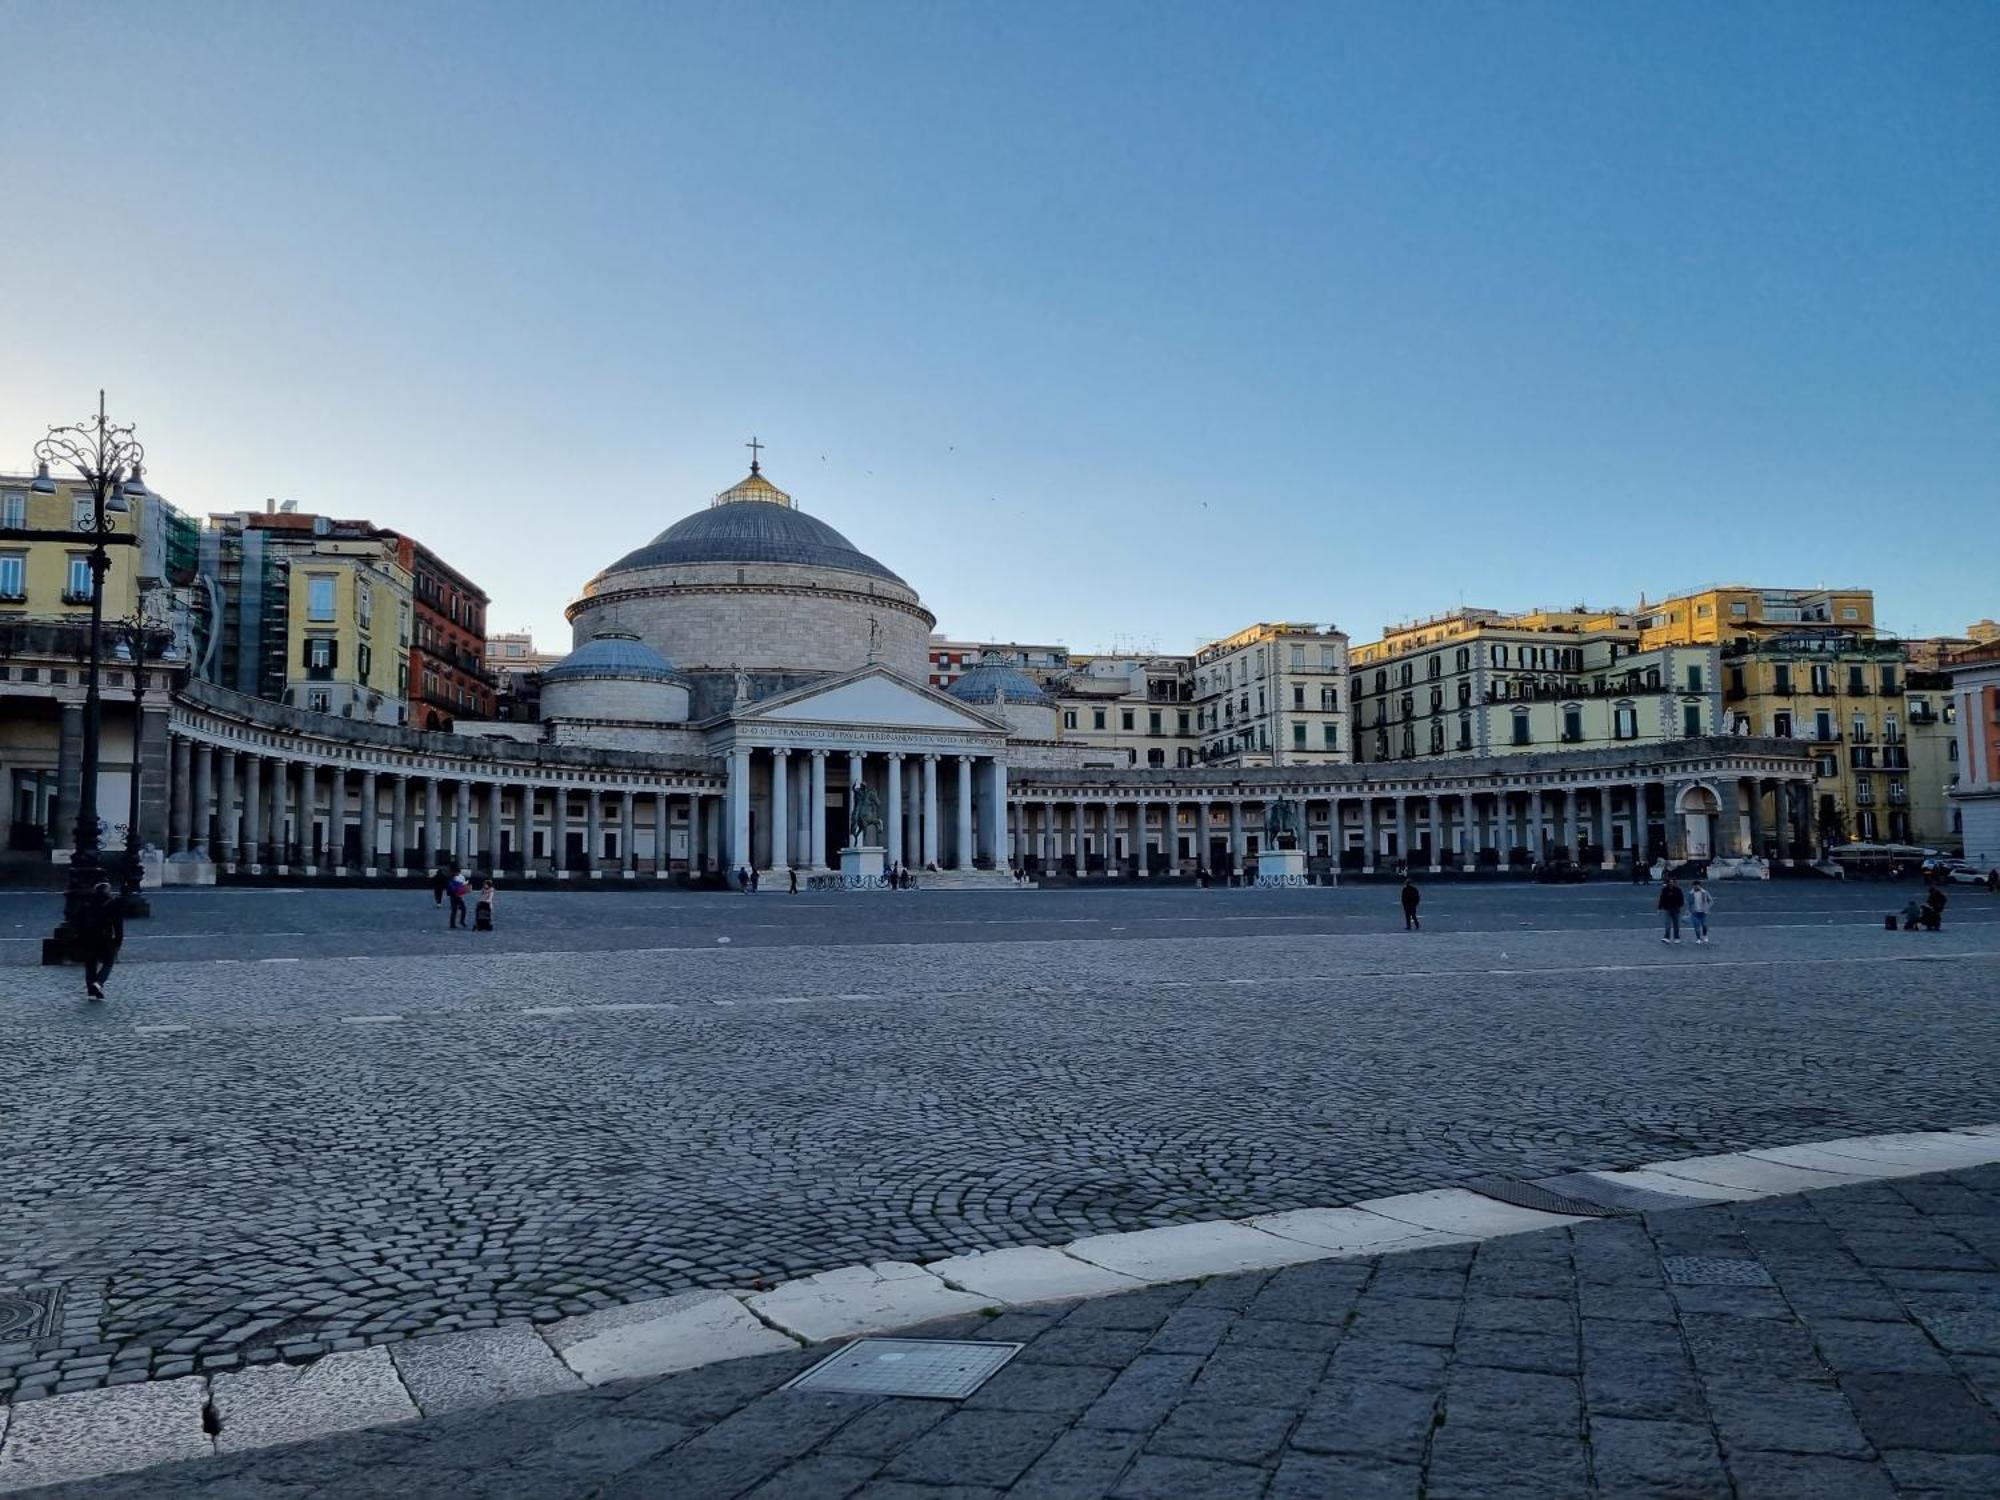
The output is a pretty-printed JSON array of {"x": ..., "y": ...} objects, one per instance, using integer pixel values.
[{"x": 1700, "y": 812}]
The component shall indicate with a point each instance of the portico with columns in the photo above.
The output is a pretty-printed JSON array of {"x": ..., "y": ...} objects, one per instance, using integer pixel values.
[
  {"x": 1730, "y": 797},
  {"x": 938, "y": 768}
]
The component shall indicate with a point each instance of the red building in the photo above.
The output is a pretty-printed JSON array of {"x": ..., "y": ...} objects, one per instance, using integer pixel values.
[{"x": 448, "y": 676}]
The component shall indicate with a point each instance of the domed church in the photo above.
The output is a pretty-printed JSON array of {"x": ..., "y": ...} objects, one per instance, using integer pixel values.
[{"x": 757, "y": 634}]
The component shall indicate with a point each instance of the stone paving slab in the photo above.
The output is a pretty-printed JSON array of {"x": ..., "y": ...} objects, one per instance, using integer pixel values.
[
  {"x": 1555, "y": 1364},
  {"x": 104, "y": 1431},
  {"x": 861, "y": 1299},
  {"x": 1029, "y": 1274},
  {"x": 1185, "y": 1250},
  {"x": 275, "y": 1404},
  {"x": 659, "y": 1337},
  {"x": 454, "y": 1373}
]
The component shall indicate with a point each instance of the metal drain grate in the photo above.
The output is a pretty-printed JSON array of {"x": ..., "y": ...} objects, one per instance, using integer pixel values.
[
  {"x": 29, "y": 1312},
  {"x": 1528, "y": 1195},
  {"x": 1714, "y": 1270},
  {"x": 942, "y": 1369}
]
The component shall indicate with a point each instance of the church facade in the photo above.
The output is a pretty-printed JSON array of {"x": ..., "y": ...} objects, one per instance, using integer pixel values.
[{"x": 749, "y": 690}]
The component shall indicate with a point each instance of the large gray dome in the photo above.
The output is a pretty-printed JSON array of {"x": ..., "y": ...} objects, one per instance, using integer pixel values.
[{"x": 754, "y": 522}]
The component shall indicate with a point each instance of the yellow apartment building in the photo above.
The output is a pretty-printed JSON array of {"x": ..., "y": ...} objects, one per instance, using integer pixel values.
[
  {"x": 1808, "y": 664},
  {"x": 1483, "y": 682},
  {"x": 347, "y": 631}
]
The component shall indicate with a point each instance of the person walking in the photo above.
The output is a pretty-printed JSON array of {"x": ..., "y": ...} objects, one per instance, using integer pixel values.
[
  {"x": 482, "y": 911},
  {"x": 753, "y": 880},
  {"x": 438, "y": 881},
  {"x": 793, "y": 872},
  {"x": 1699, "y": 900},
  {"x": 100, "y": 925},
  {"x": 1412, "y": 899},
  {"x": 1672, "y": 899},
  {"x": 455, "y": 890}
]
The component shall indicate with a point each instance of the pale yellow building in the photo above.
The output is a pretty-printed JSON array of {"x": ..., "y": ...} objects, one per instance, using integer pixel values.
[
  {"x": 1129, "y": 710},
  {"x": 1271, "y": 695},
  {"x": 347, "y": 631},
  {"x": 1483, "y": 682},
  {"x": 1807, "y": 664}
]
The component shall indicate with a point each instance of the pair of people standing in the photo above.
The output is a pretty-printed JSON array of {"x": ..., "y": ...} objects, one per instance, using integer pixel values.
[
  {"x": 1696, "y": 901},
  {"x": 454, "y": 886}
]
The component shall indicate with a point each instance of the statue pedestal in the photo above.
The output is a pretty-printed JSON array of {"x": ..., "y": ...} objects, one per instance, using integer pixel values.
[
  {"x": 1281, "y": 867},
  {"x": 862, "y": 862}
]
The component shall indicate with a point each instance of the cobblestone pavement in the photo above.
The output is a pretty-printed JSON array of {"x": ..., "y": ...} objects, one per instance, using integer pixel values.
[
  {"x": 1832, "y": 1346},
  {"x": 316, "y": 1121}
]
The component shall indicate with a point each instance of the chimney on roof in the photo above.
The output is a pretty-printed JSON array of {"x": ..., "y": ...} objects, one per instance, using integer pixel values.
[{"x": 270, "y": 506}]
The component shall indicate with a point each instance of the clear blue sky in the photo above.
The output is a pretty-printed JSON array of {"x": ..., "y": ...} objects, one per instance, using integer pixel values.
[{"x": 1097, "y": 322}]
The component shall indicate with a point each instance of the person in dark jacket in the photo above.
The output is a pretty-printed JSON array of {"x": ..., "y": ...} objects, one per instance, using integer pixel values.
[
  {"x": 1412, "y": 899},
  {"x": 439, "y": 879},
  {"x": 1672, "y": 899},
  {"x": 1934, "y": 909},
  {"x": 456, "y": 889},
  {"x": 100, "y": 927}
]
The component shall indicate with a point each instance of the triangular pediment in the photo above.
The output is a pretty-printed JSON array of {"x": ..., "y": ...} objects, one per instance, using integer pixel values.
[{"x": 873, "y": 696}]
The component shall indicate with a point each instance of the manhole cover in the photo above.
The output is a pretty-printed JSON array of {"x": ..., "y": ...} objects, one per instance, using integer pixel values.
[
  {"x": 944, "y": 1369},
  {"x": 1528, "y": 1195},
  {"x": 29, "y": 1312},
  {"x": 1714, "y": 1270}
]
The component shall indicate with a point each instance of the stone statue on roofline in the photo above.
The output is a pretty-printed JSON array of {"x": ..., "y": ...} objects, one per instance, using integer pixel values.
[{"x": 742, "y": 687}]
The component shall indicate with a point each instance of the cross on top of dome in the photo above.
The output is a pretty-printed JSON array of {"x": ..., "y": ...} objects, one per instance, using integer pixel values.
[{"x": 755, "y": 488}]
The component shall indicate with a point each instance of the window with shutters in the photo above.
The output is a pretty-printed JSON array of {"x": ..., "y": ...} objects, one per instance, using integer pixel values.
[
  {"x": 1521, "y": 726},
  {"x": 1572, "y": 723},
  {"x": 1625, "y": 721},
  {"x": 1691, "y": 719}
]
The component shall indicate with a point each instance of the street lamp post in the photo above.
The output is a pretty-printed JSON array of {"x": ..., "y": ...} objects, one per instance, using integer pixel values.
[
  {"x": 131, "y": 896},
  {"x": 110, "y": 461}
]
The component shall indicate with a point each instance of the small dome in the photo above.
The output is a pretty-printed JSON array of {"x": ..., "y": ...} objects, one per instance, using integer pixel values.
[
  {"x": 613, "y": 653},
  {"x": 753, "y": 522},
  {"x": 985, "y": 682}
]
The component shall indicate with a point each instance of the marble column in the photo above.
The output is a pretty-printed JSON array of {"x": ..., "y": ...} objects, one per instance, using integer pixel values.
[
  {"x": 857, "y": 779},
  {"x": 181, "y": 818},
  {"x": 306, "y": 818},
  {"x": 628, "y": 855},
  {"x": 1202, "y": 810},
  {"x": 1639, "y": 850},
  {"x": 281, "y": 796},
  {"x": 371, "y": 821},
  {"x": 930, "y": 814},
  {"x": 463, "y": 825},
  {"x": 996, "y": 772},
  {"x": 593, "y": 832},
  {"x": 663, "y": 834},
  {"x": 524, "y": 827},
  {"x": 962, "y": 855},
  {"x": 739, "y": 807},
  {"x": 1437, "y": 833},
  {"x": 399, "y": 823},
  {"x": 335, "y": 860},
  {"x": 893, "y": 825},
  {"x": 434, "y": 855},
  {"x": 253, "y": 810},
  {"x": 697, "y": 841},
  {"x": 1235, "y": 838},
  {"x": 1046, "y": 843},
  {"x": 1170, "y": 836},
  {"x": 781, "y": 809},
  {"x": 1756, "y": 810},
  {"x": 1468, "y": 832},
  {"x": 492, "y": 828},
  {"x": 1781, "y": 822},
  {"x": 816, "y": 850},
  {"x": 559, "y": 830},
  {"x": 228, "y": 835}
]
